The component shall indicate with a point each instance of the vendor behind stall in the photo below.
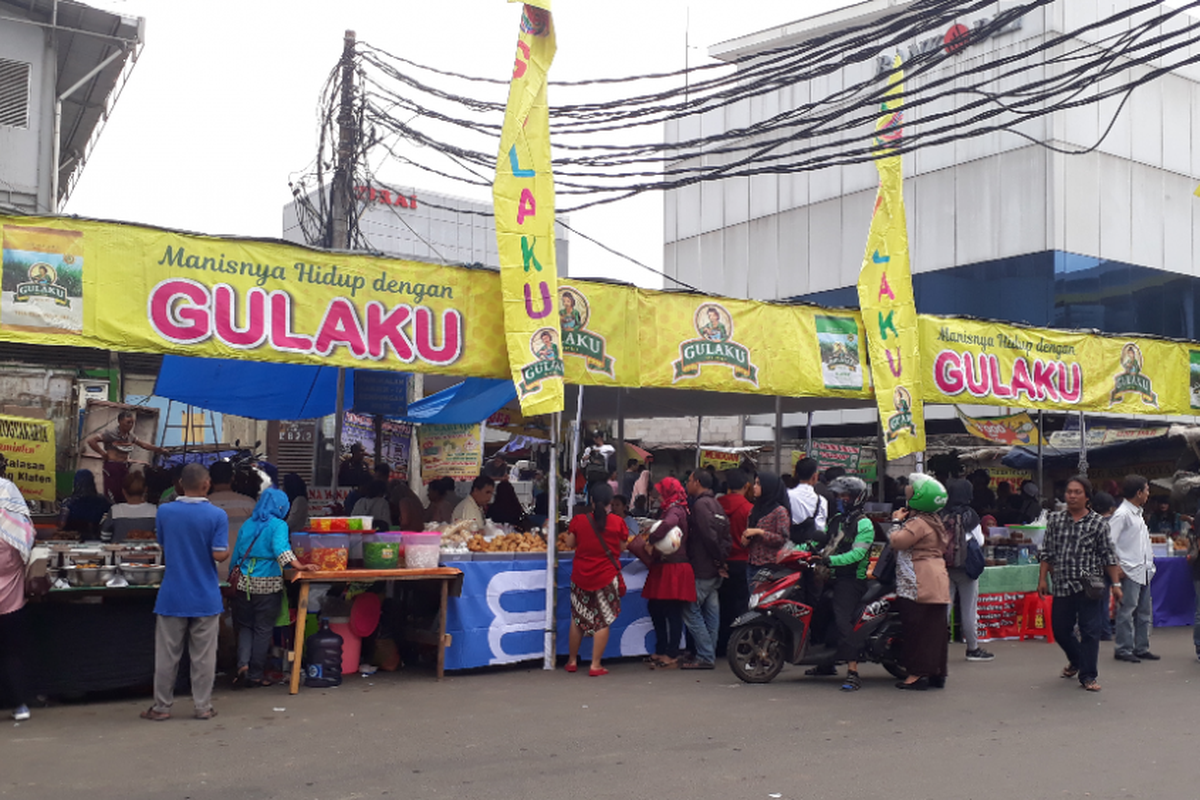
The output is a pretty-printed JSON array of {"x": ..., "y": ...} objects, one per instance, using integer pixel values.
[
  {"x": 474, "y": 506},
  {"x": 85, "y": 508},
  {"x": 135, "y": 516},
  {"x": 115, "y": 446}
]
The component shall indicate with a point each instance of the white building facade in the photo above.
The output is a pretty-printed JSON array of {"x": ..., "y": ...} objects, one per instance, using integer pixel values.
[{"x": 1001, "y": 226}]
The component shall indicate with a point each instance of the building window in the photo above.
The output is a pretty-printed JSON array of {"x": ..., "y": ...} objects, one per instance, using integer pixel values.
[{"x": 14, "y": 93}]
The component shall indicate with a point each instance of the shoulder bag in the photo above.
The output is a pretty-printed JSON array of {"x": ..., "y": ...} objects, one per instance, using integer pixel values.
[
  {"x": 608, "y": 552},
  {"x": 235, "y": 574}
]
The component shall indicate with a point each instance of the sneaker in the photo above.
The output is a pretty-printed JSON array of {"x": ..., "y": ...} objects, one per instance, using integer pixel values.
[
  {"x": 979, "y": 654},
  {"x": 1148, "y": 656},
  {"x": 1129, "y": 657},
  {"x": 21, "y": 713},
  {"x": 852, "y": 683}
]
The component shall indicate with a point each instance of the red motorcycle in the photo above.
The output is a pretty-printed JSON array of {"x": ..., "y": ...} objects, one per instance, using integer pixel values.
[{"x": 775, "y": 631}]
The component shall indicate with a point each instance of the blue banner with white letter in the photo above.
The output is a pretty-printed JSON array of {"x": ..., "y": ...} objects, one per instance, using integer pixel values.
[{"x": 500, "y": 617}]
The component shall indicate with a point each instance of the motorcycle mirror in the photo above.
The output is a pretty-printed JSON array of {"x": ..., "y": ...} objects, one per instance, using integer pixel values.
[
  {"x": 237, "y": 442},
  {"x": 258, "y": 444}
]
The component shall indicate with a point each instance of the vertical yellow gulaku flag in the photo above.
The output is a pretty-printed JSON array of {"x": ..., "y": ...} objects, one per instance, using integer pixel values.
[
  {"x": 885, "y": 291},
  {"x": 523, "y": 200}
]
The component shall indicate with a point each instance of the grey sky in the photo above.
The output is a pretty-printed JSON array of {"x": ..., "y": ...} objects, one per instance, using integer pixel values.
[{"x": 221, "y": 108}]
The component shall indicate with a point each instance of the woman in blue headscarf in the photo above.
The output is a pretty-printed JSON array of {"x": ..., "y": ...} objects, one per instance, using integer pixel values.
[{"x": 263, "y": 549}]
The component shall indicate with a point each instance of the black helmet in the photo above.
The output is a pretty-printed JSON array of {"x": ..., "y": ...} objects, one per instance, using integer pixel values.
[{"x": 852, "y": 487}]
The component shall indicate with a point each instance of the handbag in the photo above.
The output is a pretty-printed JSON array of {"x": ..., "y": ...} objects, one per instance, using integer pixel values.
[
  {"x": 608, "y": 552},
  {"x": 641, "y": 550},
  {"x": 884, "y": 570},
  {"x": 1094, "y": 586},
  {"x": 975, "y": 562},
  {"x": 235, "y": 573}
]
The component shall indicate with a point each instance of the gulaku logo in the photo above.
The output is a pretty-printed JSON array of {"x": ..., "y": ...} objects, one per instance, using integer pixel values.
[
  {"x": 574, "y": 311},
  {"x": 547, "y": 362},
  {"x": 1131, "y": 379},
  {"x": 715, "y": 345},
  {"x": 901, "y": 422},
  {"x": 43, "y": 282}
]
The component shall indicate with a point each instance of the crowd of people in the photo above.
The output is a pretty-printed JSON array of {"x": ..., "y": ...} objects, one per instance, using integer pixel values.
[{"x": 712, "y": 537}]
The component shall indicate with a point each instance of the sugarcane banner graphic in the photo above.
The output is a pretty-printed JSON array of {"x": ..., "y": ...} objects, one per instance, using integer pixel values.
[
  {"x": 1131, "y": 379},
  {"x": 574, "y": 311},
  {"x": 901, "y": 423},
  {"x": 42, "y": 279},
  {"x": 547, "y": 363},
  {"x": 841, "y": 360},
  {"x": 715, "y": 345}
]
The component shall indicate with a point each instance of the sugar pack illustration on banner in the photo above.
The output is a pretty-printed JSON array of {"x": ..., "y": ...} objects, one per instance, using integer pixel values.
[
  {"x": 42, "y": 280},
  {"x": 574, "y": 312},
  {"x": 841, "y": 358}
]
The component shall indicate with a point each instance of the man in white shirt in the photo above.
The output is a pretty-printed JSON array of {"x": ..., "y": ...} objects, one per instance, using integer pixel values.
[
  {"x": 1131, "y": 540},
  {"x": 474, "y": 506},
  {"x": 597, "y": 461},
  {"x": 809, "y": 509}
]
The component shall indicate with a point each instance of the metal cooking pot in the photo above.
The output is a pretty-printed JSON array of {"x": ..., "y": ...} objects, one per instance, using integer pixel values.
[
  {"x": 143, "y": 576},
  {"x": 88, "y": 576}
]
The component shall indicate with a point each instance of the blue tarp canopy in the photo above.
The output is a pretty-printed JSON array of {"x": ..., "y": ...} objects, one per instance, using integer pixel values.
[
  {"x": 253, "y": 389},
  {"x": 466, "y": 403},
  {"x": 269, "y": 391}
]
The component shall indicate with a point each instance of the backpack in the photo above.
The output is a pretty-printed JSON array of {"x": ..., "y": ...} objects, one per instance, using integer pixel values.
[
  {"x": 974, "y": 562},
  {"x": 721, "y": 527},
  {"x": 956, "y": 550},
  {"x": 596, "y": 470}
]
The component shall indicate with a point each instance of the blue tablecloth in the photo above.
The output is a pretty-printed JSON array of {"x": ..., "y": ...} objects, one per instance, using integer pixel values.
[{"x": 1173, "y": 593}]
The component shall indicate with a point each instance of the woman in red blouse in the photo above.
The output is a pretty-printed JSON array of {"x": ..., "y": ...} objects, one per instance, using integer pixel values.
[
  {"x": 770, "y": 522},
  {"x": 595, "y": 593}
]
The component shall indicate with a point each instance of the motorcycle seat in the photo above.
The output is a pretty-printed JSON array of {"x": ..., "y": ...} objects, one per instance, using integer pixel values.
[{"x": 875, "y": 591}]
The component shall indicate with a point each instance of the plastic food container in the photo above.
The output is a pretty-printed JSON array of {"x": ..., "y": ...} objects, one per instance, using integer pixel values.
[
  {"x": 381, "y": 550},
  {"x": 301, "y": 547},
  {"x": 330, "y": 551},
  {"x": 422, "y": 550}
]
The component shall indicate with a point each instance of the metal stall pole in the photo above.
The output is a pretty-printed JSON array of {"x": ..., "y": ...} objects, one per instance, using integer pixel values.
[
  {"x": 1083, "y": 461},
  {"x": 621, "y": 457},
  {"x": 578, "y": 425},
  {"x": 778, "y": 435},
  {"x": 339, "y": 413},
  {"x": 808, "y": 437},
  {"x": 880, "y": 459},
  {"x": 1041, "y": 471},
  {"x": 549, "y": 645},
  {"x": 699, "y": 438}
]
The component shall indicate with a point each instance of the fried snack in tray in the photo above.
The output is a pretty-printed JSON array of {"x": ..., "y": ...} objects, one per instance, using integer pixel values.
[
  {"x": 455, "y": 533},
  {"x": 507, "y": 543}
]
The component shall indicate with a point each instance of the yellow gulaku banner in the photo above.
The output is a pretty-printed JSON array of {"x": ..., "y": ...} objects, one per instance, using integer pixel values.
[
  {"x": 125, "y": 287},
  {"x": 691, "y": 341},
  {"x": 1014, "y": 429},
  {"x": 599, "y": 327},
  {"x": 523, "y": 197},
  {"x": 28, "y": 444},
  {"x": 991, "y": 363},
  {"x": 885, "y": 292},
  {"x": 450, "y": 451}
]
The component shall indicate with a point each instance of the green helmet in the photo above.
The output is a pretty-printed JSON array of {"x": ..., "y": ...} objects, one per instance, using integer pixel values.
[{"x": 928, "y": 493}]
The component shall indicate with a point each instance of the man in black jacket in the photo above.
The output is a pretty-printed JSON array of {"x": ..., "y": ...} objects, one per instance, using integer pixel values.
[{"x": 708, "y": 545}]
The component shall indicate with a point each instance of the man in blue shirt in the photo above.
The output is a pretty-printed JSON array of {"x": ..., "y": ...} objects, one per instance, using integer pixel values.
[{"x": 194, "y": 535}]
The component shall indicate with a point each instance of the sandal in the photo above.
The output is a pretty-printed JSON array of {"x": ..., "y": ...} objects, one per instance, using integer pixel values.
[
  {"x": 852, "y": 683},
  {"x": 597, "y": 672},
  {"x": 1092, "y": 685},
  {"x": 1070, "y": 671},
  {"x": 154, "y": 716},
  {"x": 209, "y": 714}
]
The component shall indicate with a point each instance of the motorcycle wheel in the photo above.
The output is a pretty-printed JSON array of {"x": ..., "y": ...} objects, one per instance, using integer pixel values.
[
  {"x": 895, "y": 669},
  {"x": 755, "y": 653}
]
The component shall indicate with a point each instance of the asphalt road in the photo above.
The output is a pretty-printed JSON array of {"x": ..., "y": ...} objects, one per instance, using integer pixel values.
[{"x": 1006, "y": 729}]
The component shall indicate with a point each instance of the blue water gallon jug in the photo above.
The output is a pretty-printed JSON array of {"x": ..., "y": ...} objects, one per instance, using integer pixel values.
[{"x": 324, "y": 650}]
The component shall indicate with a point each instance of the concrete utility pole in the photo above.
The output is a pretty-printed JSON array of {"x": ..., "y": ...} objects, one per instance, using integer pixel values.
[{"x": 340, "y": 195}]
